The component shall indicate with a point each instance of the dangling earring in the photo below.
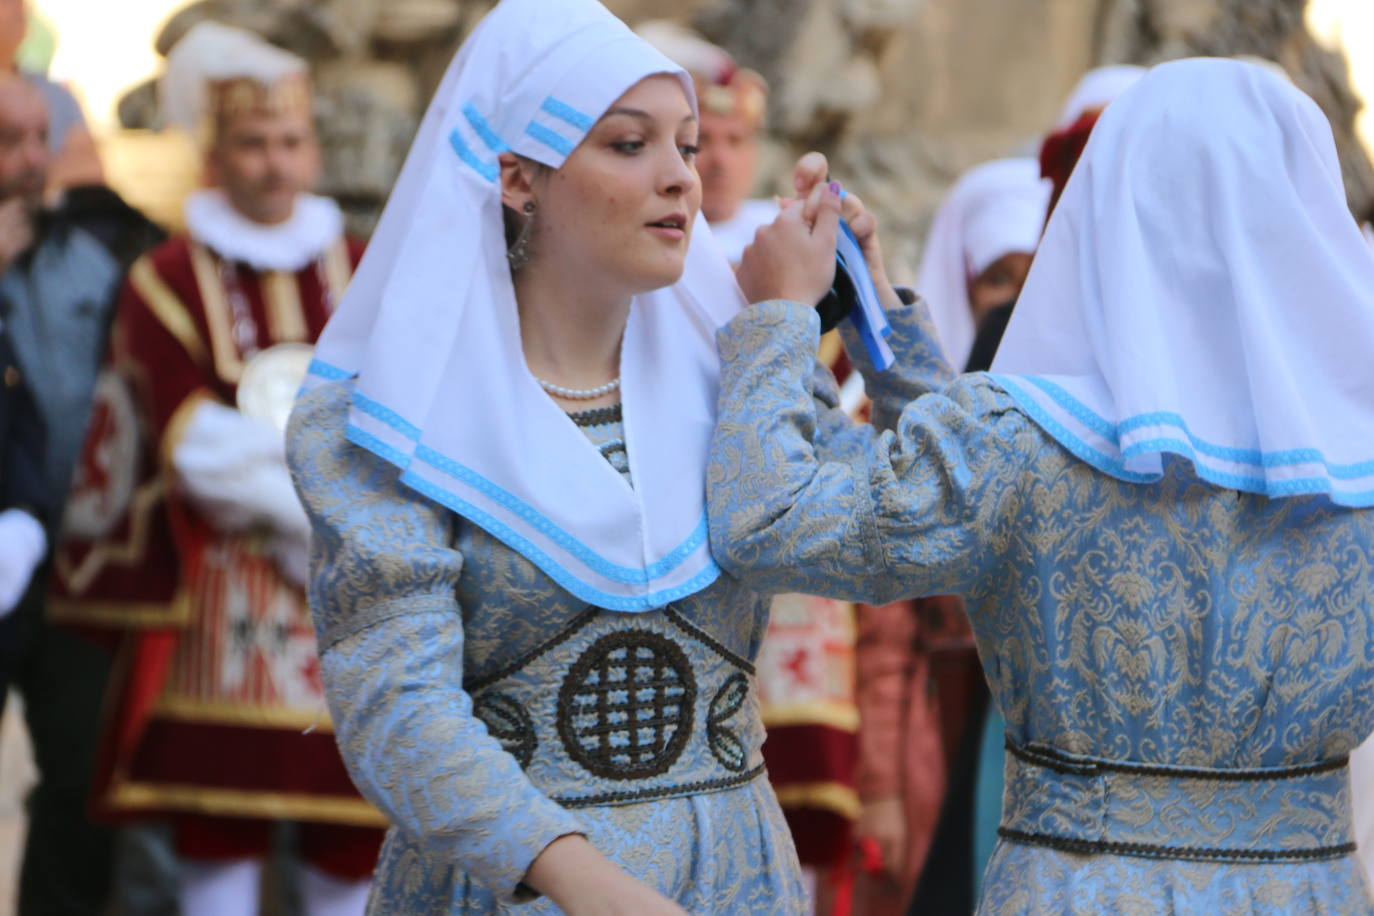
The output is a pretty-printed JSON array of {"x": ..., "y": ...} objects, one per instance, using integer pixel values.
[{"x": 519, "y": 252}]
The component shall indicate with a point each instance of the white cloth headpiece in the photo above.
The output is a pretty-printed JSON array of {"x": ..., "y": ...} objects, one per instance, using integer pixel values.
[
  {"x": 993, "y": 210},
  {"x": 688, "y": 49},
  {"x": 211, "y": 52},
  {"x": 1097, "y": 89},
  {"x": 430, "y": 329},
  {"x": 1202, "y": 290}
]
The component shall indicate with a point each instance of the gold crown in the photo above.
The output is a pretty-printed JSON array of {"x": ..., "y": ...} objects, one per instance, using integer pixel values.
[
  {"x": 240, "y": 96},
  {"x": 745, "y": 95}
]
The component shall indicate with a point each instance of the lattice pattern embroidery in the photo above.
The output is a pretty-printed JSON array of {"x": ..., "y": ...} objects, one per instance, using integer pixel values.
[{"x": 625, "y": 707}]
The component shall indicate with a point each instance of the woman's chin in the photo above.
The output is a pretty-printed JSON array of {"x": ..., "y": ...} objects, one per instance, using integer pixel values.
[{"x": 651, "y": 277}]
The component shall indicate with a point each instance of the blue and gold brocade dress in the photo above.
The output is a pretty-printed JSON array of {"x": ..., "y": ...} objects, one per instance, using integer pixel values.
[
  {"x": 487, "y": 712},
  {"x": 1183, "y": 669}
]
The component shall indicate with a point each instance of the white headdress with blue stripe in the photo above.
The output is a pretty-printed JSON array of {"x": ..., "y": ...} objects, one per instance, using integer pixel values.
[
  {"x": 430, "y": 332},
  {"x": 1202, "y": 290}
]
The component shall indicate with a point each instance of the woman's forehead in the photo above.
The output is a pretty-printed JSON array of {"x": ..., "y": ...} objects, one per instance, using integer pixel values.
[{"x": 660, "y": 96}]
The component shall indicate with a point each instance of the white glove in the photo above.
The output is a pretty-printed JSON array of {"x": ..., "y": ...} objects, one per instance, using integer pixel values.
[
  {"x": 22, "y": 545},
  {"x": 233, "y": 469}
]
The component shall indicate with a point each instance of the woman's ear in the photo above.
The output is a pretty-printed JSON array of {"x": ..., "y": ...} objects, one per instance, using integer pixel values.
[{"x": 517, "y": 181}]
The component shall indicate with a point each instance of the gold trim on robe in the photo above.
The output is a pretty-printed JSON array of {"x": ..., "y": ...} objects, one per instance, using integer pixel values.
[
  {"x": 219, "y": 318},
  {"x": 831, "y": 796},
  {"x": 252, "y": 716},
  {"x": 247, "y": 803},
  {"x": 281, "y": 293},
  {"x": 166, "y": 307},
  {"x": 841, "y": 716},
  {"x": 121, "y": 614}
]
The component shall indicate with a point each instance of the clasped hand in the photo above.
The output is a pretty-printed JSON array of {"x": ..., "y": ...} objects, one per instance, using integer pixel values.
[{"x": 793, "y": 258}]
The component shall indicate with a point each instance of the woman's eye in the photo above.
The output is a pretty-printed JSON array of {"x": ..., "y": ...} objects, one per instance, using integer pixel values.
[
  {"x": 628, "y": 146},
  {"x": 689, "y": 151}
]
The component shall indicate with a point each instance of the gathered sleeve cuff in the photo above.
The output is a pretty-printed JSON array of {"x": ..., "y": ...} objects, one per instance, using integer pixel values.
[
  {"x": 872, "y": 516},
  {"x": 383, "y": 585}
]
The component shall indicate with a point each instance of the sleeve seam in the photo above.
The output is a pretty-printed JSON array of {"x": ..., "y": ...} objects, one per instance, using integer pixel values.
[{"x": 382, "y": 612}]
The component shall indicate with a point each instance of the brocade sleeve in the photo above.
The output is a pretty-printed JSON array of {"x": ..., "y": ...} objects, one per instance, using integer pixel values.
[
  {"x": 382, "y": 593},
  {"x": 878, "y": 516}
]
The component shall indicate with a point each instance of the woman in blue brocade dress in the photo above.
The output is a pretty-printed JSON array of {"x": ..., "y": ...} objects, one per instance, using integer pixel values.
[
  {"x": 1156, "y": 506},
  {"x": 533, "y": 664}
]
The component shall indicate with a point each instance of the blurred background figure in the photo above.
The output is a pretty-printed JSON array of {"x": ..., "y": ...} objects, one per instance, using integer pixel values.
[
  {"x": 1063, "y": 146},
  {"x": 918, "y": 684},
  {"x": 979, "y": 250},
  {"x": 218, "y": 722},
  {"x": 734, "y": 105},
  {"x": 74, "y": 160},
  {"x": 60, "y": 268}
]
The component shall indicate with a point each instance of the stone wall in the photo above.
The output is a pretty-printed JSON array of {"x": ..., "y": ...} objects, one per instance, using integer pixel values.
[{"x": 903, "y": 95}]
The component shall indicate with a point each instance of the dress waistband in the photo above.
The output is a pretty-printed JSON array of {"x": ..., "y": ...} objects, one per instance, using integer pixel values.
[{"x": 1087, "y": 805}]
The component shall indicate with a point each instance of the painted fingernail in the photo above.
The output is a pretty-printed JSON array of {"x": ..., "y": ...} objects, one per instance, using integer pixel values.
[{"x": 836, "y": 189}]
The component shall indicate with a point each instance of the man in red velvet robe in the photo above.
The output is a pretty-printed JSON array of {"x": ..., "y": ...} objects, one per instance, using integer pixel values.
[{"x": 185, "y": 529}]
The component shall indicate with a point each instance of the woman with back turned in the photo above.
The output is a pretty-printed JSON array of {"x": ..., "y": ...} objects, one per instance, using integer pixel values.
[{"x": 1155, "y": 506}]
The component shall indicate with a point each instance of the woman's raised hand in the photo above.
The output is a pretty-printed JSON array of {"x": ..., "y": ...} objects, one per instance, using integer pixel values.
[
  {"x": 813, "y": 169},
  {"x": 794, "y": 257},
  {"x": 810, "y": 178}
]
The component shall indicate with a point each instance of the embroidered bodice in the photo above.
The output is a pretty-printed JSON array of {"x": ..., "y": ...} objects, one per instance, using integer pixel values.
[{"x": 487, "y": 711}]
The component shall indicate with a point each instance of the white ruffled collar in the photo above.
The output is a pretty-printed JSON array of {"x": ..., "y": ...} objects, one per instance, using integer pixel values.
[{"x": 315, "y": 225}]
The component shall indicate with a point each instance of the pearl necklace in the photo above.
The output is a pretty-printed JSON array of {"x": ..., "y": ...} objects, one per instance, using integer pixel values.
[{"x": 578, "y": 394}]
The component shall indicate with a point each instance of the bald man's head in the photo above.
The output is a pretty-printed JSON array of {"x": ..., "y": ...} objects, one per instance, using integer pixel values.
[{"x": 23, "y": 140}]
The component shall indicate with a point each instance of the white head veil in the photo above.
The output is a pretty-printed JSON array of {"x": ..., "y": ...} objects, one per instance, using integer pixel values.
[
  {"x": 996, "y": 208},
  {"x": 1202, "y": 290},
  {"x": 430, "y": 331},
  {"x": 1097, "y": 89}
]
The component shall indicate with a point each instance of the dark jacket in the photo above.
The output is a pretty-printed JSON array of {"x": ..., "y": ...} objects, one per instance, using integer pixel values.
[
  {"x": 22, "y": 481},
  {"x": 56, "y": 304}
]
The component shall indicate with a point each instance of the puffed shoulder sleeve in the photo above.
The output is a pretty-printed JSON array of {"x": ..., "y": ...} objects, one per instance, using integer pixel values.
[
  {"x": 383, "y": 596},
  {"x": 797, "y": 502}
]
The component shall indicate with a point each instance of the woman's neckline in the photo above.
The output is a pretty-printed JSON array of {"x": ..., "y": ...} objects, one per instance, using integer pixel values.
[{"x": 596, "y": 416}]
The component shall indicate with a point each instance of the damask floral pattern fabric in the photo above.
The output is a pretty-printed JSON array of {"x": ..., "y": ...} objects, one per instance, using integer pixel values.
[
  {"x": 487, "y": 711},
  {"x": 1167, "y": 625}
]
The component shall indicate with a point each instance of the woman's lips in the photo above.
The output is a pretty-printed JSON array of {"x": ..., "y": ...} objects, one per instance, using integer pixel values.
[{"x": 668, "y": 233}]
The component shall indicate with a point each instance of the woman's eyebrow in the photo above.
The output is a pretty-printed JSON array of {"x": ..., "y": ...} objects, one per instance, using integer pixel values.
[{"x": 641, "y": 115}]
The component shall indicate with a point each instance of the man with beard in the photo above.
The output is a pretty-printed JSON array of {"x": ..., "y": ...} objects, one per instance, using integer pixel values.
[
  {"x": 218, "y": 722},
  {"x": 59, "y": 274}
]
